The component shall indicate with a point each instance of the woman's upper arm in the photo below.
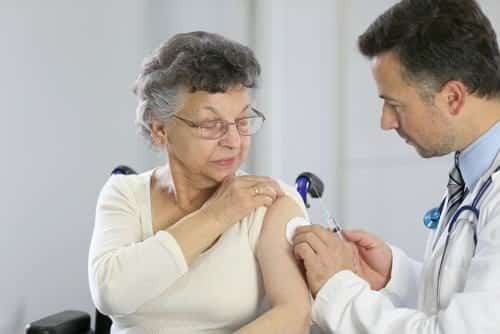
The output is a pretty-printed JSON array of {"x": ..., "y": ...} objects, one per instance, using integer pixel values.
[
  {"x": 124, "y": 270},
  {"x": 283, "y": 280}
]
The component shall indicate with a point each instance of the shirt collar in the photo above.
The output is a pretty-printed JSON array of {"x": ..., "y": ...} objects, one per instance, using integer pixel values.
[{"x": 475, "y": 160}]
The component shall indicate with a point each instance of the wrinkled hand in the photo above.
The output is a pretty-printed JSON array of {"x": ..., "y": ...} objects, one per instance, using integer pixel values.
[
  {"x": 237, "y": 196},
  {"x": 373, "y": 258},
  {"x": 323, "y": 254}
]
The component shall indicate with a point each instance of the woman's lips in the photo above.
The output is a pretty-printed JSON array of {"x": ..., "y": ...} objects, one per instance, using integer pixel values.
[{"x": 225, "y": 163}]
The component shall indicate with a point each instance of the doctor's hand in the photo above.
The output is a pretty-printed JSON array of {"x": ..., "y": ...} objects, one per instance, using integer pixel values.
[
  {"x": 323, "y": 254},
  {"x": 373, "y": 259}
]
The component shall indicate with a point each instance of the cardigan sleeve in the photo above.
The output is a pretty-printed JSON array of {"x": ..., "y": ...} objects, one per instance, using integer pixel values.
[{"x": 124, "y": 270}]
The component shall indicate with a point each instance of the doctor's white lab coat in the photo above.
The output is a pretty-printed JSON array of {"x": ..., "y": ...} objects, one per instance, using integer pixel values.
[{"x": 469, "y": 297}]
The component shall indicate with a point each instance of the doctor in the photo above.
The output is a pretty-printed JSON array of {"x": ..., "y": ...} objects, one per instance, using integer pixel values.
[{"x": 436, "y": 64}]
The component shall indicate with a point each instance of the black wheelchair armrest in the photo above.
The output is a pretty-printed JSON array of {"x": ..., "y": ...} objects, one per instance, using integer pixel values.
[{"x": 66, "y": 322}]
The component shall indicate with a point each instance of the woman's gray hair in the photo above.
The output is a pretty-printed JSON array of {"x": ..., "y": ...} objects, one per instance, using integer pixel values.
[{"x": 192, "y": 61}]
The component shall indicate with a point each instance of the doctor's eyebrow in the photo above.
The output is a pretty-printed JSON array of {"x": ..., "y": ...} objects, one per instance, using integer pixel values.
[{"x": 388, "y": 98}]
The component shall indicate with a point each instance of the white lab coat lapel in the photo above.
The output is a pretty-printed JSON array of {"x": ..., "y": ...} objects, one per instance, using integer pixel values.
[{"x": 458, "y": 255}]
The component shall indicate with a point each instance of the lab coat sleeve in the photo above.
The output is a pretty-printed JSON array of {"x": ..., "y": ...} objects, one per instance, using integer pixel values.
[
  {"x": 125, "y": 271},
  {"x": 346, "y": 304},
  {"x": 405, "y": 276}
]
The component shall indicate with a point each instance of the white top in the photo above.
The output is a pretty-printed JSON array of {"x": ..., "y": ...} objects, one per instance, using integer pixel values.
[
  {"x": 470, "y": 283},
  {"x": 142, "y": 280}
]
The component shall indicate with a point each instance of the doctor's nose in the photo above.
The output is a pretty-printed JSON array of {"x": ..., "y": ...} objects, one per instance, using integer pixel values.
[{"x": 389, "y": 119}]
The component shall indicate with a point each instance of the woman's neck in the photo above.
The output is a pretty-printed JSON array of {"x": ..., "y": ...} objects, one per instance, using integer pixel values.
[{"x": 189, "y": 192}]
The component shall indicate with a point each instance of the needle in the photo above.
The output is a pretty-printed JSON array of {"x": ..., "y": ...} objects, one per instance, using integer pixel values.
[{"x": 332, "y": 223}]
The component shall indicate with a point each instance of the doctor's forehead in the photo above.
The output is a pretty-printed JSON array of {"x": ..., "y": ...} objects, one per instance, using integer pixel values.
[
  {"x": 387, "y": 66},
  {"x": 387, "y": 72}
]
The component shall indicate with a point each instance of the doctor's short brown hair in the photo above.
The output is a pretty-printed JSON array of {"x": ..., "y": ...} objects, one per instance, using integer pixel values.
[{"x": 437, "y": 41}]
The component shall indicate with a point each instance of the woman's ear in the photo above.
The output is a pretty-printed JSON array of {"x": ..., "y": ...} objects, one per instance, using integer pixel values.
[
  {"x": 455, "y": 93},
  {"x": 158, "y": 133}
]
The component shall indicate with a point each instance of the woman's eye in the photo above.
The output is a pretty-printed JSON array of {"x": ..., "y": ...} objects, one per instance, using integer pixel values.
[
  {"x": 243, "y": 122},
  {"x": 212, "y": 124}
]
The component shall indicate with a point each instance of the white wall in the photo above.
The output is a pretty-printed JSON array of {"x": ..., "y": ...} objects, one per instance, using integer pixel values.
[
  {"x": 296, "y": 45},
  {"x": 67, "y": 119}
]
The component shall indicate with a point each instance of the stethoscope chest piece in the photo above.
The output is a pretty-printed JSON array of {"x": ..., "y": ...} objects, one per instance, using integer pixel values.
[{"x": 431, "y": 218}]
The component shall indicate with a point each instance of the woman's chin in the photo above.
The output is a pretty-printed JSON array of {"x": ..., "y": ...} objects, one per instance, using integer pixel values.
[{"x": 220, "y": 174}]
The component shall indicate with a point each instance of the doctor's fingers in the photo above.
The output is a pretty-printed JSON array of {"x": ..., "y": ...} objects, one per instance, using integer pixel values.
[
  {"x": 362, "y": 238},
  {"x": 313, "y": 240},
  {"x": 326, "y": 236},
  {"x": 356, "y": 258},
  {"x": 305, "y": 253}
]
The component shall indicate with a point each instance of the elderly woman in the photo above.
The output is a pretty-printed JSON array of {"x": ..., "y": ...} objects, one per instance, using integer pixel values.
[{"x": 193, "y": 246}]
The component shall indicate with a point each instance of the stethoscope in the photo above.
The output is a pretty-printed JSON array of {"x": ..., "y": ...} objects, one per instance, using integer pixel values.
[{"x": 432, "y": 217}]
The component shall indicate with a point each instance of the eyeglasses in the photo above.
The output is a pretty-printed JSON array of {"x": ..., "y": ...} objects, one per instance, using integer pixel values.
[{"x": 216, "y": 129}]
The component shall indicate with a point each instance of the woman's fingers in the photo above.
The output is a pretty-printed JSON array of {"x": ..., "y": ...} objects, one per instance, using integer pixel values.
[
  {"x": 237, "y": 196},
  {"x": 265, "y": 190},
  {"x": 263, "y": 200},
  {"x": 261, "y": 185}
]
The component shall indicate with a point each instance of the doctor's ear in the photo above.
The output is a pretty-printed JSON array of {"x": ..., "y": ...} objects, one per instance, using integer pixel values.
[
  {"x": 455, "y": 93},
  {"x": 158, "y": 133}
]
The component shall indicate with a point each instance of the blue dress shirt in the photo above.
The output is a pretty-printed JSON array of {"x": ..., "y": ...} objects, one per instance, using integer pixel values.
[{"x": 475, "y": 160}]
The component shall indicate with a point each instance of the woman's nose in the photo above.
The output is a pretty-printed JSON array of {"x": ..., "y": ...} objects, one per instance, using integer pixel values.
[{"x": 232, "y": 137}]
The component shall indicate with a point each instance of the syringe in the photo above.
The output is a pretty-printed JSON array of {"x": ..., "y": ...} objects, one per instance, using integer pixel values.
[{"x": 331, "y": 222}]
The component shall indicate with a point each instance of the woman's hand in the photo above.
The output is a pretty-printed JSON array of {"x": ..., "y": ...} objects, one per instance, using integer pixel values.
[{"x": 237, "y": 196}]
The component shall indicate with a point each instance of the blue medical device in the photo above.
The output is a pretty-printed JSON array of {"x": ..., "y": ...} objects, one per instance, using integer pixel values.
[
  {"x": 308, "y": 183},
  {"x": 432, "y": 217}
]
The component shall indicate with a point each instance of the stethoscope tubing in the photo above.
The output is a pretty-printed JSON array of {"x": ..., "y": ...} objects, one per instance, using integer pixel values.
[{"x": 474, "y": 208}]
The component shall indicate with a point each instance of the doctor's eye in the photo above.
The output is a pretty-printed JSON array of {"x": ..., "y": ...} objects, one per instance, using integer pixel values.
[{"x": 395, "y": 108}]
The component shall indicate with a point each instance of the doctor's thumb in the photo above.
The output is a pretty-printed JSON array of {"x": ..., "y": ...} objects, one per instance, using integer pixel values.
[{"x": 361, "y": 238}]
